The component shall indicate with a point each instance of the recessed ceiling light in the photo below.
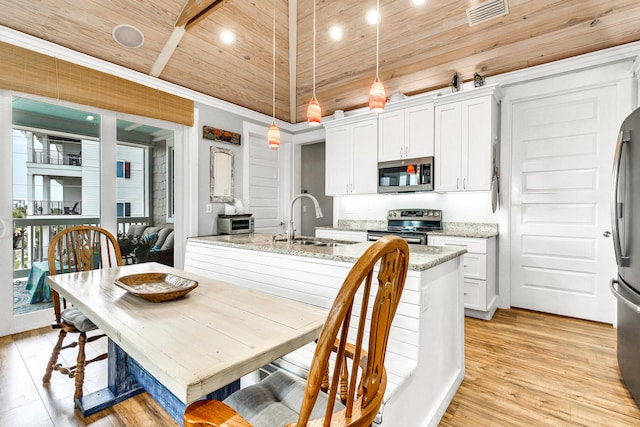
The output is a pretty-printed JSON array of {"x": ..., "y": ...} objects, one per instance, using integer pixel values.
[
  {"x": 90, "y": 118},
  {"x": 127, "y": 35},
  {"x": 227, "y": 37},
  {"x": 372, "y": 17},
  {"x": 335, "y": 32},
  {"x": 418, "y": 2}
]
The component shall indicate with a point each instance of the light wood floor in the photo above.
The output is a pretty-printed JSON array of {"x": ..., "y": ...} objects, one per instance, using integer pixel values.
[
  {"x": 531, "y": 369},
  {"x": 522, "y": 369}
]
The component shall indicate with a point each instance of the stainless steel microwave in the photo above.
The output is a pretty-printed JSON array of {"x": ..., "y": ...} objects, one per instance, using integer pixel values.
[{"x": 405, "y": 176}]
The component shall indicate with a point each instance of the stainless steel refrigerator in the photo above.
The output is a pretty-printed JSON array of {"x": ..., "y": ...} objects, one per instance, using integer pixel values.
[{"x": 625, "y": 214}]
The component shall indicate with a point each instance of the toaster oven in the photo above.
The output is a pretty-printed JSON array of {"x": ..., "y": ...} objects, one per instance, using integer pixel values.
[{"x": 235, "y": 224}]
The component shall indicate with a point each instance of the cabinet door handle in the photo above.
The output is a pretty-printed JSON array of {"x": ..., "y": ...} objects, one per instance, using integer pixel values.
[
  {"x": 457, "y": 183},
  {"x": 400, "y": 151},
  {"x": 406, "y": 151},
  {"x": 346, "y": 189},
  {"x": 464, "y": 183}
]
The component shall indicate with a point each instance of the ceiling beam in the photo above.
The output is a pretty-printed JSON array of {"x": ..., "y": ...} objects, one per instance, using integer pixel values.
[
  {"x": 196, "y": 10},
  {"x": 192, "y": 13},
  {"x": 167, "y": 51}
]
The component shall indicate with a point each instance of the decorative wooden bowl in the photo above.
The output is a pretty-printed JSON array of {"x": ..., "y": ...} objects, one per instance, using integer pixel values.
[{"x": 156, "y": 287}]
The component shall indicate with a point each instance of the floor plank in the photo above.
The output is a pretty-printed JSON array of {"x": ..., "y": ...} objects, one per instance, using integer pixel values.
[
  {"x": 522, "y": 368},
  {"x": 529, "y": 368}
]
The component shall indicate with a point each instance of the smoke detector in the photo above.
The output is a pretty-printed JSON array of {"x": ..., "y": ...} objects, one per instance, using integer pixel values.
[
  {"x": 485, "y": 11},
  {"x": 127, "y": 35}
]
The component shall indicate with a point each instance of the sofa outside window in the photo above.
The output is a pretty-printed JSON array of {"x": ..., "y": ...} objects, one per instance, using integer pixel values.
[{"x": 144, "y": 243}]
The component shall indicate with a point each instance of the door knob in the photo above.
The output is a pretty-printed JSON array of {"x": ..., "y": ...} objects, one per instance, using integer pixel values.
[{"x": 607, "y": 234}]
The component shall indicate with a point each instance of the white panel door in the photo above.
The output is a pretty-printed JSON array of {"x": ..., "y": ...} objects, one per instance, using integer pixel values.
[
  {"x": 265, "y": 191},
  {"x": 562, "y": 156}
]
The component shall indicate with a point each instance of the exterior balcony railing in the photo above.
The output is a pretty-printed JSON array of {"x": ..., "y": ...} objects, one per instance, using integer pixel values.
[
  {"x": 50, "y": 207},
  {"x": 31, "y": 237},
  {"x": 56, "y": 158}
]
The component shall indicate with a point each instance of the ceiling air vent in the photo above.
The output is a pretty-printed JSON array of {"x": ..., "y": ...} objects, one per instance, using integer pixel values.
[{"x": 486, "y": 11}]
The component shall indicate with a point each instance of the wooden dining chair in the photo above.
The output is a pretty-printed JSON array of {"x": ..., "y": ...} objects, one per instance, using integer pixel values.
[
  {"x": 350, "y": 392},
  {"x": 75, "y": 249}
]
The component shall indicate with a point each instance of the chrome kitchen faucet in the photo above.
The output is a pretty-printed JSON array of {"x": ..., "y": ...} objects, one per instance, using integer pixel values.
[{"x": 290, "y": 231}]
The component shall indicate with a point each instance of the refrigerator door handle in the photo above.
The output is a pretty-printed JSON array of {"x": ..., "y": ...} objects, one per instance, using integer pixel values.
[
  {"x": 621, "y": 260},
  {"x": 616, "y": 293}
]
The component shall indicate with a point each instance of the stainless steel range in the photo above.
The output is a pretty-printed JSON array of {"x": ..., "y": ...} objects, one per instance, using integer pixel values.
[{"x": 410, "y": 224}]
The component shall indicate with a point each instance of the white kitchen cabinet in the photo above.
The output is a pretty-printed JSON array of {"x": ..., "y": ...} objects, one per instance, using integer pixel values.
[
  {"x": 351, "y": 158},
  {"x": 406, "y": 133},
  {"x": 349, "y": 235},
  {"x": 479, "y": 264},
  {"x": 466, "y": 128}
]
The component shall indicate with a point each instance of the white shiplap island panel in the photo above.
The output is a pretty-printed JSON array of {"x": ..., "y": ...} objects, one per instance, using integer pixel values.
[
  {"x": 425, "y": 355},
  {"x": 198, "y": 343}
]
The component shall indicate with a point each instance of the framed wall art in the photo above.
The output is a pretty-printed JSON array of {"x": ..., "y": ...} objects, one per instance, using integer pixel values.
[{"x": 220, "y": 135}]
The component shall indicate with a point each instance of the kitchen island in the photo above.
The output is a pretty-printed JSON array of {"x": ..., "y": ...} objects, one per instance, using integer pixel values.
[{"x": 425, "y": 355}]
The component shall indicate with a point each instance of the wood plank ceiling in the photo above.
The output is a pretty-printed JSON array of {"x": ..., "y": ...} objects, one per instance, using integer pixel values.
[{"x": 420, "y": 47}]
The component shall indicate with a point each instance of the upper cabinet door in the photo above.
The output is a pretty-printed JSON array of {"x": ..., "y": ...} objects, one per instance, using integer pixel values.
[
  {"x": 406, "y": 133},
  {"x": 391, "y": 128},
  {"x": 478, "y": 136},
  {"x": 338, "y": 160},
  {"x": 465, "y": 132},
  {"x": 352, "y": 158},
  {"x": 364, "y": 157},
  {"x": 448, "y": 147},
  {"x": 419, "y": 134}
]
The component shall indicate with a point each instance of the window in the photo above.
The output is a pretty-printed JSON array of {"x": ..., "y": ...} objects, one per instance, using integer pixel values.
[
  {"x": 123, "y": 169},
  {"x": 123, "y": 209}
]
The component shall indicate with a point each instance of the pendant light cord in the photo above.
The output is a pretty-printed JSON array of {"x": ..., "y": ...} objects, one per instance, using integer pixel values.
[
  {"x": 273, "y": 89},
  {"x": 377, "y": 36},
  {"x": 314, "y": 49}
]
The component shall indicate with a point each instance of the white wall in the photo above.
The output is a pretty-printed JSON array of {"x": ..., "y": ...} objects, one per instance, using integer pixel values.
[
  {"x": 91, "y": 178},
  {"x": 217, "y": 118}
]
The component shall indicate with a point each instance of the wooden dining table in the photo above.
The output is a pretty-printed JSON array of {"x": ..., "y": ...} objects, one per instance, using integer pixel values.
[{"x": 194, "y": 346}]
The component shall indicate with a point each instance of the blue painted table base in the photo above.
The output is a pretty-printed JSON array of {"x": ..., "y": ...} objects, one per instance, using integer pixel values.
[{"x": 126, "y": 378}]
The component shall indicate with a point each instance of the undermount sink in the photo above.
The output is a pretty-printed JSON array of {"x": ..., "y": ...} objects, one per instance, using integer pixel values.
[
  {"x": 320, "y": 242},
  {"x": 315, "y": 242}
]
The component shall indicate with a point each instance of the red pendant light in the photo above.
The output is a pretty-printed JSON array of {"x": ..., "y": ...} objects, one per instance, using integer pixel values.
[
  {"x": 273, "y": 134},
  {"x": 377, "y": 96},
  {"x": 314, "y": 112}
]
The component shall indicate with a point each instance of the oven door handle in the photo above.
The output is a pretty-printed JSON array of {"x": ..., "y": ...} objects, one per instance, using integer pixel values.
[{"x": 418, "y": 240}]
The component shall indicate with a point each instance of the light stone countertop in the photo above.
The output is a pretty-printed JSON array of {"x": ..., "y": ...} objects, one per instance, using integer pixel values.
[
  {"x": 477, "y": 230},
  {"x": 421, "y": 257}
]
